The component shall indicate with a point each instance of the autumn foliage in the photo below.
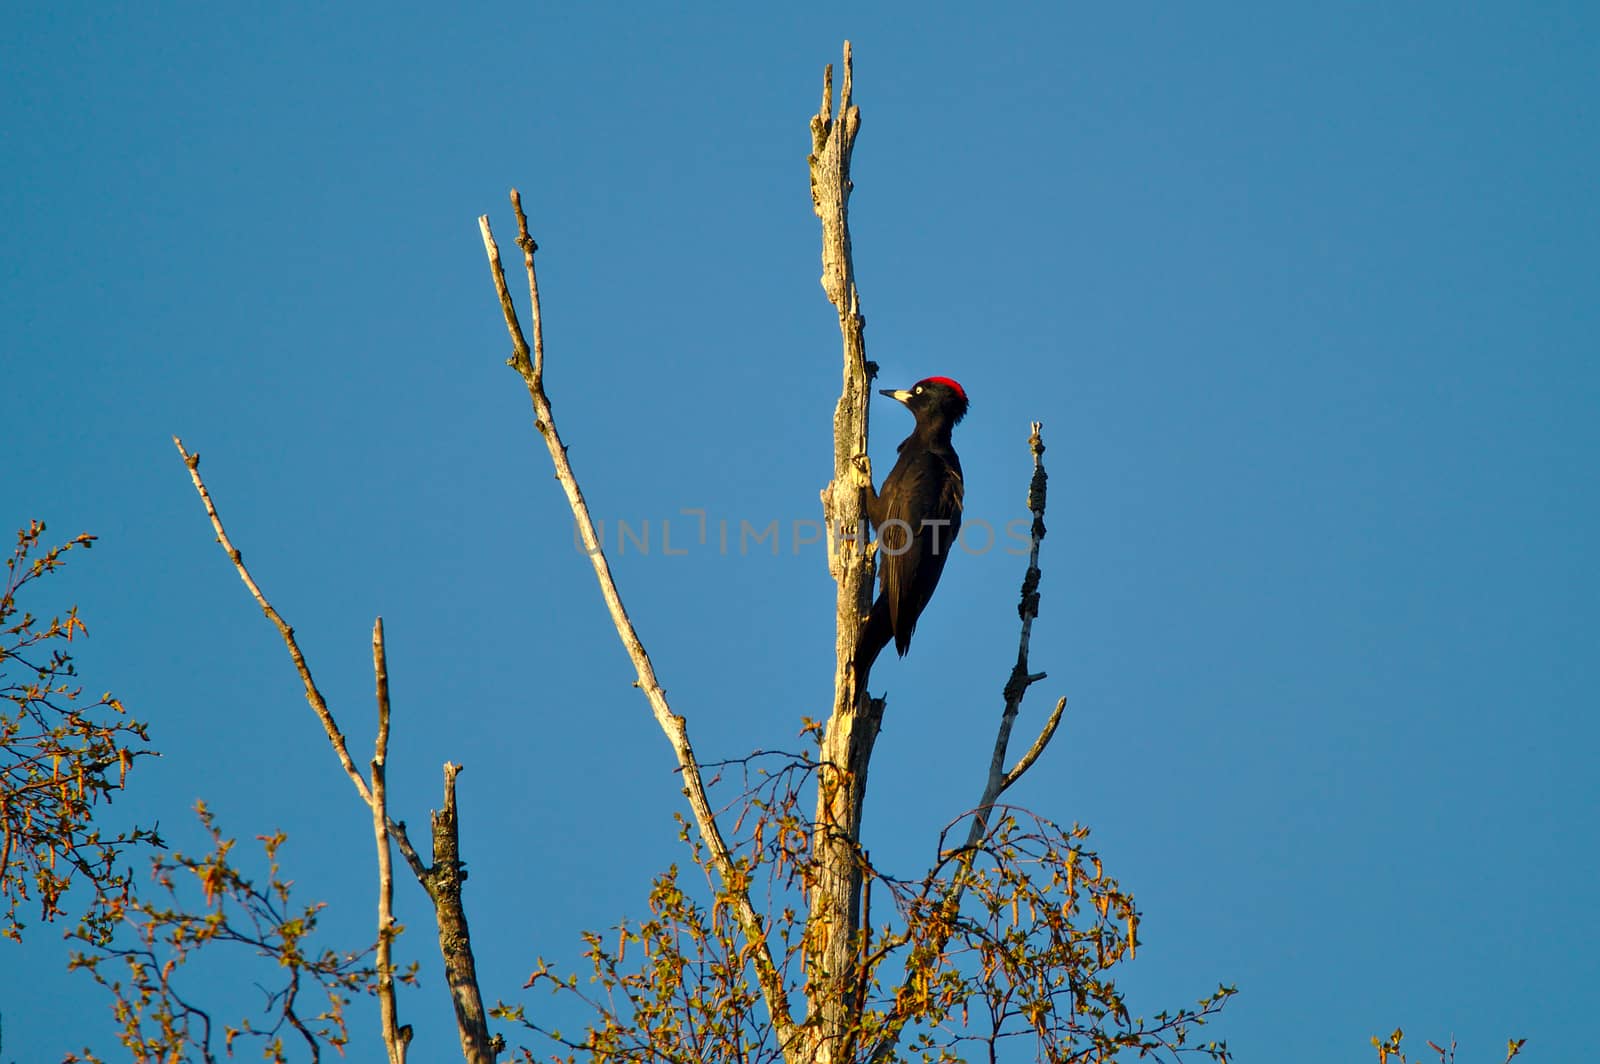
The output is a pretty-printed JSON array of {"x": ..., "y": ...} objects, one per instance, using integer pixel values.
[
  {"x": 62, "y": 758},
  {"x": 199, "y": 902}
]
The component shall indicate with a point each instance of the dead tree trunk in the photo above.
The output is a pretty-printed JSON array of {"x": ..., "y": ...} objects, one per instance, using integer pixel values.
[{"x": 833, "y": 927}]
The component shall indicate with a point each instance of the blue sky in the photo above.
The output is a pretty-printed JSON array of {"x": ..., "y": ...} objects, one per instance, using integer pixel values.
[{"x": 1304, "y": 295}]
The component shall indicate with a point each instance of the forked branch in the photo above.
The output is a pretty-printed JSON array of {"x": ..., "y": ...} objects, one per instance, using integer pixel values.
[
  {"x": 528, "y": 360},
  {"x": 442, "y": 881},
  {"x": 1020, "y": 679}
]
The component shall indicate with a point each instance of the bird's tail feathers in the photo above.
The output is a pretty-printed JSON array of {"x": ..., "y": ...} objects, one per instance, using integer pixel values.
[{"x": 875, "y": 635}]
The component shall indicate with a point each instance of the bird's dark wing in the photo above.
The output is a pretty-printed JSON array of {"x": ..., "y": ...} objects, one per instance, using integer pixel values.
[{"x": 921, "y": 515}]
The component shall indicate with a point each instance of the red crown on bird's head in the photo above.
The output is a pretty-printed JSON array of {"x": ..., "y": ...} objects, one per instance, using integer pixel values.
[{"x": 948, "y": 382}]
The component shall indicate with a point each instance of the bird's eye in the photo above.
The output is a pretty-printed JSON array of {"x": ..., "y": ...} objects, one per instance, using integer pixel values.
[{"x": 917, "y": 390}]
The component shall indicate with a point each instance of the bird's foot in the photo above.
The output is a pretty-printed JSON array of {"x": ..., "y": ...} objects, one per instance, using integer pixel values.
[{"x": 862, "y": 466}]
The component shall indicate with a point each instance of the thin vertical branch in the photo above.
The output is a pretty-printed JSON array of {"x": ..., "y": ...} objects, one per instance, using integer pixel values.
[
  {"x": 1020, "y": 679},
  {"x": 395, "y": 1037},
  {"x": 529, "y": 363},
  {"x": 526, "y": 243}
]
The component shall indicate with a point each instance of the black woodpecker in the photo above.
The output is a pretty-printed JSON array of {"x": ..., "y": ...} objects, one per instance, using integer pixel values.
[{"x": 916, "y": 517}]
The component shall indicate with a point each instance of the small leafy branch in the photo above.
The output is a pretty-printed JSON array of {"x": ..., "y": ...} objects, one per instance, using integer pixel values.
[
  {"x": 61, "y": 758},
  {"x": 160, "y": 1019},
  {"x": 1390, "y": 1052},
  {"x": 1027, "y": 951}
]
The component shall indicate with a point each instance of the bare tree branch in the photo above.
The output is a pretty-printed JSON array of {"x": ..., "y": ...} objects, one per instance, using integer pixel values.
[
  {"x": 832, "y": 928},
  {"x": 443, "y": 880},
  {"x": 1026, "y": 761},
  {"x": 395, "y": 1037},
  {"x": 529, "y": 362},
  {"x": 1021, "y": 679},
  {"x": 443, "y": 884},
  {"x": 313, "y": 695}
]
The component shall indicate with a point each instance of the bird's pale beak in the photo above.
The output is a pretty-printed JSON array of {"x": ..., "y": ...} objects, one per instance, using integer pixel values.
[{"x": 900, "y": 395}]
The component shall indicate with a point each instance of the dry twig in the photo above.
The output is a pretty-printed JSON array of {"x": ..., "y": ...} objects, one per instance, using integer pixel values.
[{"x": 313, "y": 695}]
